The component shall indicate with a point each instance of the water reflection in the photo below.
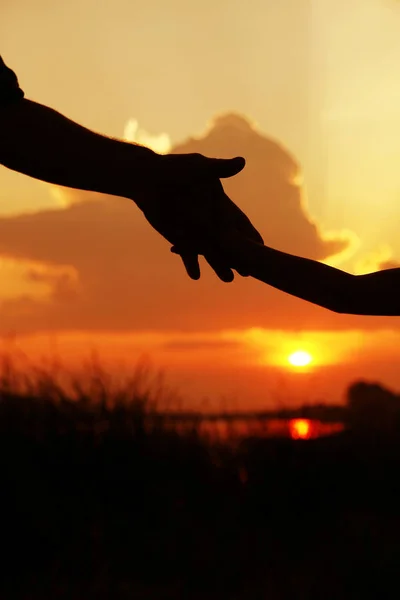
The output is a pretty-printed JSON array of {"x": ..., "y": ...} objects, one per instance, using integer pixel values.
[{"x": 225, "y": 429}]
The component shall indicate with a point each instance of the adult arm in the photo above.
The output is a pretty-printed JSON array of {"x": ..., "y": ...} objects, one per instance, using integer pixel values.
[{"x": 180, "y": 195}]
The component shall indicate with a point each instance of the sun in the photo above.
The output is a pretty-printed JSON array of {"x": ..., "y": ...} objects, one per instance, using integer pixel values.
[
  {"x": 300, "y": 429},
  {"x": 300, "y": 358}
]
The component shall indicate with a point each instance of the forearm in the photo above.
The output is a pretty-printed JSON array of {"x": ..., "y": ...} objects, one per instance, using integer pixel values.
[
  {"x": 40, "y": 142},
  {"x": 306, "y": 279},
  {"x": 373, "y": 294}
]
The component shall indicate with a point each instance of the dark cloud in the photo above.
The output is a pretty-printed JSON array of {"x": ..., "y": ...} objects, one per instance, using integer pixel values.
[
  {"x": 388, "y": 264},
  {"x": 128, "y": 279},
  {"x": 199, "y": 344}
]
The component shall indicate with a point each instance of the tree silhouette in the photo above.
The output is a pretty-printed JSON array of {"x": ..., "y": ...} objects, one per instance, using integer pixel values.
[{"x": 372, "y": 408}]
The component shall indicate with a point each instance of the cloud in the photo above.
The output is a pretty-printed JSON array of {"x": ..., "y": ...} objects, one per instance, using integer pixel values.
[
  {"x": 196, "y": 344},
  {"x": 125, "y": 278},
  {"x": 34, "y": 279},
  {"x": 160, "y": 142},
  {"x": 270, "y": 189},
  {"x": 65, "y": 197},
  {"x": 378, "y": 260},
  {"x": 389, "y": 264}
]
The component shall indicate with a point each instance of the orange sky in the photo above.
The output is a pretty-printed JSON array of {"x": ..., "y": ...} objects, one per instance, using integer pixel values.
[{"x": 283, "y": 84}]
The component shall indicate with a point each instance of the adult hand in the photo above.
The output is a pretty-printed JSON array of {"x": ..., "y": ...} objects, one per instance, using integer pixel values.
[{"x": 186, "y": 203}]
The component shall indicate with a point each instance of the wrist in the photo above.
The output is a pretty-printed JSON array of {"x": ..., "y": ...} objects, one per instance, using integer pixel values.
[{"x": 138, "y": 169}]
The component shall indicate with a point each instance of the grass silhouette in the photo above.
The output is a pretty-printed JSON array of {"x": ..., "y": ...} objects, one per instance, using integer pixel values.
[{"x": 101, "y": 498}]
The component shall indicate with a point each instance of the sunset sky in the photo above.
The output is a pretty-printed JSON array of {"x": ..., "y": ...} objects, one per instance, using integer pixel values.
[{"x": 307, "y": 90}]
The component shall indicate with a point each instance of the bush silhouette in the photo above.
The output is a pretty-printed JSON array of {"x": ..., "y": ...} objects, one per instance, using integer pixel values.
[{"x": 373, "y": 408}]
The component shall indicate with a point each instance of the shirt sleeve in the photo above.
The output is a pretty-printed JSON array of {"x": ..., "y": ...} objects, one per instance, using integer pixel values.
[{"x": 10, "y": 91}]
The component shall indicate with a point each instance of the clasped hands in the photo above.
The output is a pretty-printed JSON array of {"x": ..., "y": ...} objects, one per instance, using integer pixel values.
[{"x": 183, "y": 199}]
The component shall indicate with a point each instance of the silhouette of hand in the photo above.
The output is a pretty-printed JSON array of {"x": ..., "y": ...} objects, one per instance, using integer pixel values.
[
  {"x": 187, "y": 205},
  {"x": 245, "y": 254}
]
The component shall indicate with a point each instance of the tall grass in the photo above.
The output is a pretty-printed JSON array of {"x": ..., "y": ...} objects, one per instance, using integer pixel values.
[{"x": 100, "y": 499}]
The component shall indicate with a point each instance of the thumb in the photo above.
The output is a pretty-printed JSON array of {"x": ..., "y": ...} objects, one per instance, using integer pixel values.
[{"x": 226, "y": 167}]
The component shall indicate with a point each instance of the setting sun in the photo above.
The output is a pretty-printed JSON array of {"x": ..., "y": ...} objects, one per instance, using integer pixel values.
[
  {"x": 300, "y": 358},
  {"x": 300, "y": 429}
]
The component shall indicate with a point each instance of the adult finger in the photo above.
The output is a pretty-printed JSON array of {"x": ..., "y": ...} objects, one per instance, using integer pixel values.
[
  {"x": 219, "y": 266},
  {"x": 228, "y": 251},
  {"x": 190, "y": 261}
]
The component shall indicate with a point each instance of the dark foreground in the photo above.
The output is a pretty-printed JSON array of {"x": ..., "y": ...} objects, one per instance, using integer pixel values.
[{"x": 93, "y": 506}]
